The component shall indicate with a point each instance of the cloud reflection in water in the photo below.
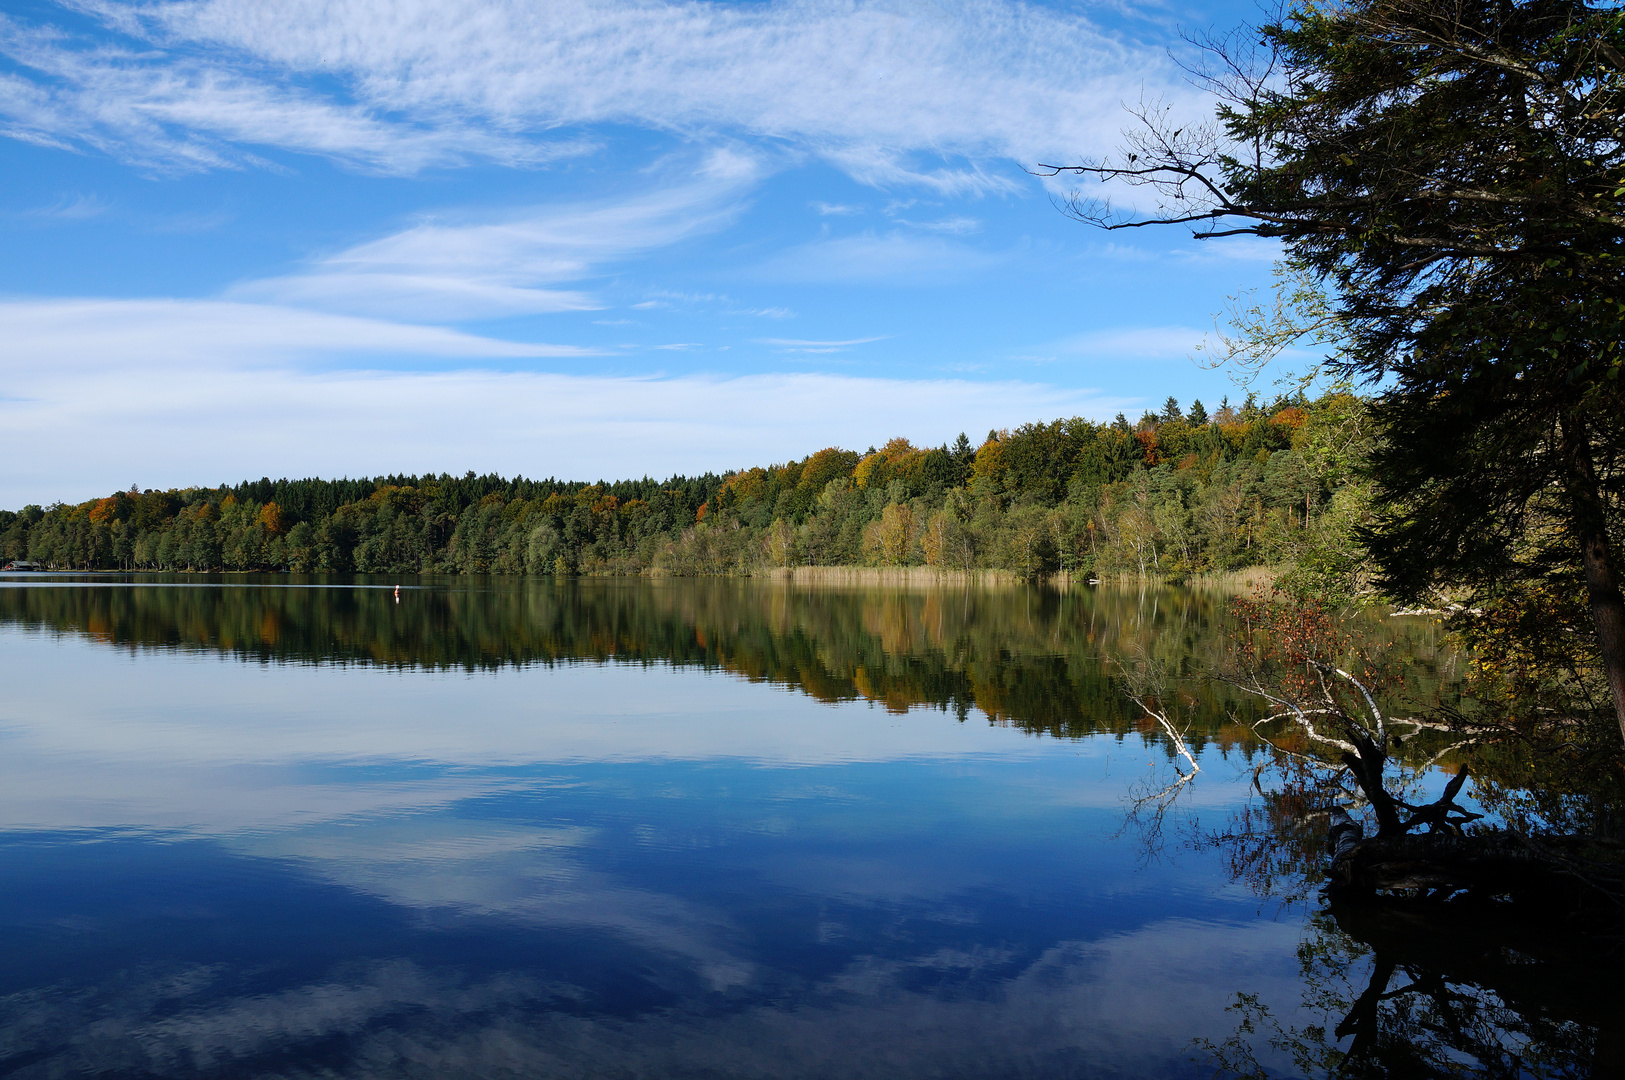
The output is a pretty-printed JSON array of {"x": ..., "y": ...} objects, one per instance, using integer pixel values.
[{"x": 225, "y": 868}]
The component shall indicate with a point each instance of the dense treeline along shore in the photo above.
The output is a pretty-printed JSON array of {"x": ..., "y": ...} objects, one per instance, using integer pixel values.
[{"x": 1178, "y": 493}]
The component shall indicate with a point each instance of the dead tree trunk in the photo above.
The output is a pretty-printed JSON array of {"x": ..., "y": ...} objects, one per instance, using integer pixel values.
[
  {"x": 1558, "y": 873},
  {"x": 1367, "y": 767}
]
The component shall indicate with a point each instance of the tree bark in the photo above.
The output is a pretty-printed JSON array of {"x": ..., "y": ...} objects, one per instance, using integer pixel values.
[
  {"x": 1590, "y": 523},
  {"x": 1368, "y": 766}
]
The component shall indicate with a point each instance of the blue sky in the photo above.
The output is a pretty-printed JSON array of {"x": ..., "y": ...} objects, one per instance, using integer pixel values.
[{"x": 583, "y": 239}]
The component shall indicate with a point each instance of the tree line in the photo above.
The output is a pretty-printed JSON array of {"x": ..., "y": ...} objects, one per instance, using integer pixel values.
[
  {"x": 1179, "y": 492},
  {"x": 1039, "y": 660}
]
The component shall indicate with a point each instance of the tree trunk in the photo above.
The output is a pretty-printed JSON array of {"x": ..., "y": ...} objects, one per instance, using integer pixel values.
[
  {"x": 1367, "y": 767},
  {"x": 1590, "y": 522}
]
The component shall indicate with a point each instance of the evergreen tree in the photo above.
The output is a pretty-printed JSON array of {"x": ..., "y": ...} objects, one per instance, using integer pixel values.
[{"x": 1451, "y": 171}]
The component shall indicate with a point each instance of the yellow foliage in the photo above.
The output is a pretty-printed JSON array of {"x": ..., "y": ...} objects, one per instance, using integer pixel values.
[
  {"x": 897, "y": 458},
  {"x": 750, "y": 484},
  {"x": 989, "y": 459}
]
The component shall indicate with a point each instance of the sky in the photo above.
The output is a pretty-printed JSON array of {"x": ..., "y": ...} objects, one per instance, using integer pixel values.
[{"x": 582, "y": 238}]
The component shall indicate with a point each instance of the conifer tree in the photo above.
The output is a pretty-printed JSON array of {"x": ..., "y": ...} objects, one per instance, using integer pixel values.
[{"x": 1453, "y": 171}]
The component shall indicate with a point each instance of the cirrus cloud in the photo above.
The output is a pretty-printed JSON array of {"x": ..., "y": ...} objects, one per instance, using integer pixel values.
[{"x": 890, "y": 92}]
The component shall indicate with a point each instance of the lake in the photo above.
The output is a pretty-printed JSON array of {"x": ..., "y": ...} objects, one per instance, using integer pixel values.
[{"x": 633, "y": 828}]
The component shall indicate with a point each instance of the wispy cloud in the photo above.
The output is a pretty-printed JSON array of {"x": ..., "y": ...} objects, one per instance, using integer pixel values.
[
  {"x": 75, "y": 207},
  {"x": 689, "y": 297},
  {"x": 1134, "y": 343},
  {"x": 797, "y": 345},
  {"x": 98, "y": 389},
  {"x": 953, "y": 226},
  {"x": 169, "y": 109},
  {"x": 895, "y": 258},
  {"x": 508, "y": 264},
  {"x": 71, "y": 337},
  {"x": 889, "y": 91}
]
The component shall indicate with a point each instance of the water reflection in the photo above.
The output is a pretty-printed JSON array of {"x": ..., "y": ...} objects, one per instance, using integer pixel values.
[
  {"x": 1035, "y": 658},
  {"x": 1410, "y": 990},
  {"x": 624, "y": 828},
  {"x": 664, "y": 919}
]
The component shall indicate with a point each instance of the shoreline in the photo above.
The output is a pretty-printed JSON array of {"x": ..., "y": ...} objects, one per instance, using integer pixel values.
[
  {"x": 928, "y": 577},
  {"x": 906, "y": 577}
]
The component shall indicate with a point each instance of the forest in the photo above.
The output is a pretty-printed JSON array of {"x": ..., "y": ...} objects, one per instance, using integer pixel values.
[{"x": 1180, "y": 492}]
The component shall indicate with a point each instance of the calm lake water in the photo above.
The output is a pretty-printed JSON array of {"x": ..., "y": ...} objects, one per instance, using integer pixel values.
[{"x": 290, "y": 827}]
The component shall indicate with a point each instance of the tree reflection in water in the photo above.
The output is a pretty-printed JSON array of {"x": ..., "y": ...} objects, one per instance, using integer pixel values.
[
  {"x": 1411, "y": 986},
  {"x": 1418, "y": 980},
  {"x": 1416, "y": 991},
  {"x": 1038, "y": 659},
  {"x": 1406, "y": 990}
]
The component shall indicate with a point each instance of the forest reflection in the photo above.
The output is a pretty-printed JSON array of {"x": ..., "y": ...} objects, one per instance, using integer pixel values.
[
  {"x": 1403, "y": 991},
  {"x": 1410, "y": 990},
  {"x": 1039, "y": 659}
]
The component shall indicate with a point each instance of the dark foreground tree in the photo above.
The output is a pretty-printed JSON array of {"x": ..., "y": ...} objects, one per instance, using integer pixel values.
[{"x": 1454, "y": 172}]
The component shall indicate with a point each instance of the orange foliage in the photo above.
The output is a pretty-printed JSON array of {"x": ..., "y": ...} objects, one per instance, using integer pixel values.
[
  {"x": 1291, "y": 418},
  {"x": 824, "y": 466},
  {"x": 1148, "y": 445},
  {"x": 272, "y": 519}
]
